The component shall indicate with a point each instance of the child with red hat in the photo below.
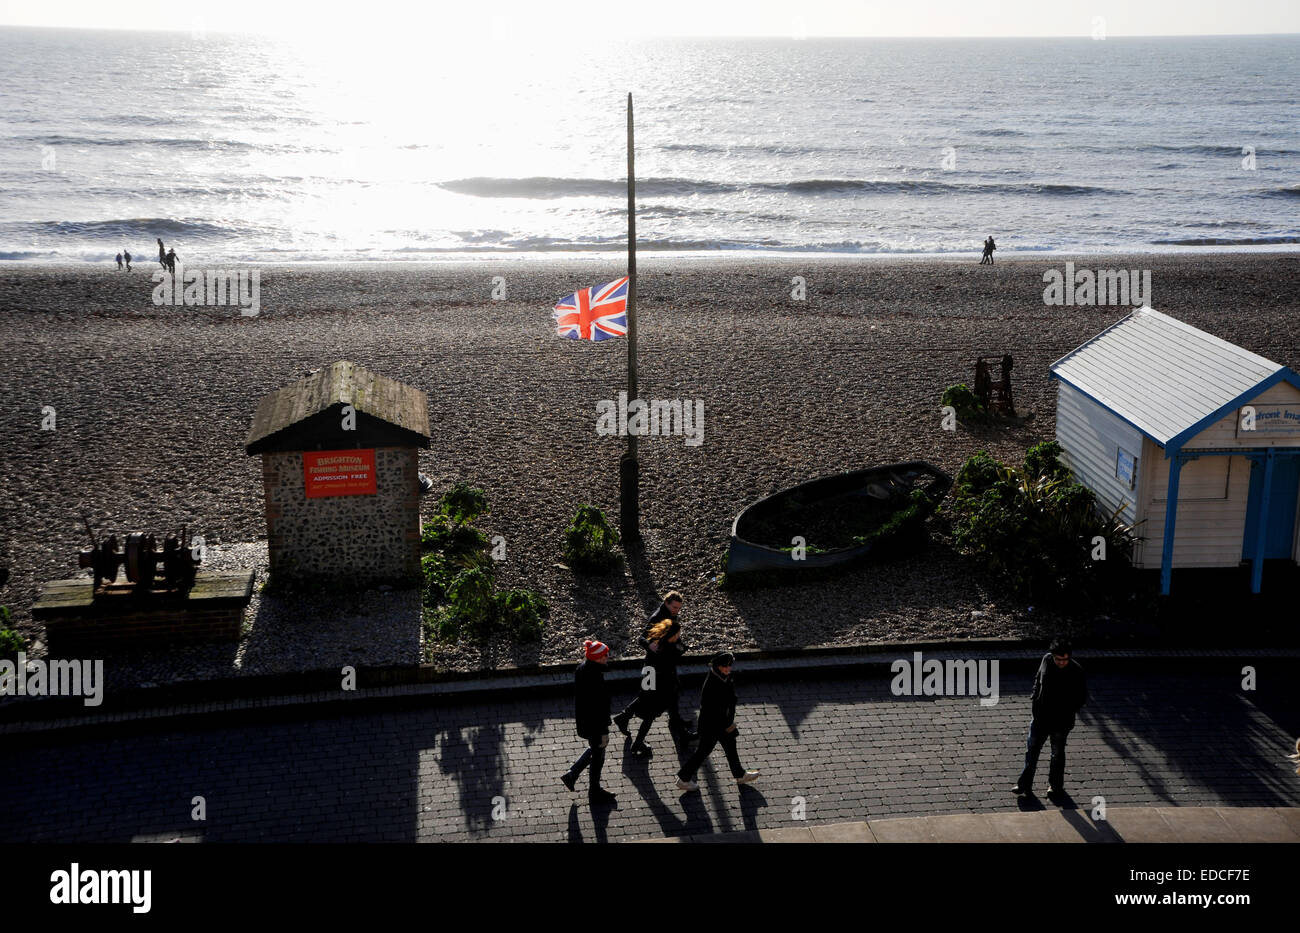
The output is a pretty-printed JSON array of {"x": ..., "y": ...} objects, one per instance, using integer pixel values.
[{"x": 592, "y": 716}]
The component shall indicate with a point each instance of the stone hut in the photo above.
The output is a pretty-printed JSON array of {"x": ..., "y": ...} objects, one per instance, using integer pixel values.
[{"x": 340, "y": 469}]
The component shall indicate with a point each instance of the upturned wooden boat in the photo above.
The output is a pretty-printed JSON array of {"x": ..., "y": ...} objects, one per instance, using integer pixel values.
[{"x": 837, "y": 519}]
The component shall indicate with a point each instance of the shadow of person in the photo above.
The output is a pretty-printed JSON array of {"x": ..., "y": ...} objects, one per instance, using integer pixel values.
[
  {"x": 574, "y": 833},
  {"x": 475, "y": 761},
  {"x": 1063, "y": 800},
  {"x": 600, "y": 819},
  {"x": 751, "y": 801},
  {"x": 698, "y": 822},
  {"x": 637, "y": 771},
  {"x": 1088, "y": 830}
]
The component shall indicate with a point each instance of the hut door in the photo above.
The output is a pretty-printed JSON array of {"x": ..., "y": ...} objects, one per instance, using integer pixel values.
[{"x": 1281, "y": 515}]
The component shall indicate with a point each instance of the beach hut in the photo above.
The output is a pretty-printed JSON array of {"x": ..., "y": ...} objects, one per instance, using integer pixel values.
[
  {"x": 1197, "y": 439},
  {"x": 340, "y": 471}
]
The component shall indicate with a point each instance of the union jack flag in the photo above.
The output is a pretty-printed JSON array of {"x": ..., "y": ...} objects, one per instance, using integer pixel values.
[{"x": 596, "y": 313}]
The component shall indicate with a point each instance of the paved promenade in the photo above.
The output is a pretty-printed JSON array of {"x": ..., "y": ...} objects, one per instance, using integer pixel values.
[{"x": 833, "y": 750}]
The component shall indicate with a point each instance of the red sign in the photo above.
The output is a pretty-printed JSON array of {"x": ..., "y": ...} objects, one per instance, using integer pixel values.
[{"x": 338, "y": 473}]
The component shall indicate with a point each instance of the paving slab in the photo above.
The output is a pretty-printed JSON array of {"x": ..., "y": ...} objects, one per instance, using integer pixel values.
[
  {"x": 786, "y": 834},
  {"x": 1257, "y": 824},
  {"x": 1140, "y": 824},
  {"x": 843, "y": 832},
  {"x": 1290, "y": 816},
  {"x": 962, "y": 827},
  {"x": 1072, "y": 826},
  {"x": 1199, "y": 824},
  {"x": 903, "y": 830},
  {"x": 1025, "y": 826}
]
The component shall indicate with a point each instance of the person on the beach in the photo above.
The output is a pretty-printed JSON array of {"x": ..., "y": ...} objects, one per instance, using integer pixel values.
[
  {"x": 162, "y": 254},
  {"x": 170, "y": 261},
  {"x": 989, "y": 247},
  {"x": 717, "y": 723},
  {"x": 127, "y": 255},
  {"x": 1060, "y": 690},
  {"x": 592, "y": 717},
  {"x": 119, "y": 262},
  {"x": 660, "y": 689}
]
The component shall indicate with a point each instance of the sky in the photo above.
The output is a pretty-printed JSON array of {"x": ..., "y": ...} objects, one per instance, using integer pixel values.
[{"x": 562, "y": 20}]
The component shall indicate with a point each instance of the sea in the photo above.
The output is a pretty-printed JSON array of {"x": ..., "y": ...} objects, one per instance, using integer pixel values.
[{"x": 251, "y": 148}]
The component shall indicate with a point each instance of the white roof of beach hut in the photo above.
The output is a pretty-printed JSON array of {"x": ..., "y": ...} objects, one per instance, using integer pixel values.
[{"x": 1165, "y": 377}]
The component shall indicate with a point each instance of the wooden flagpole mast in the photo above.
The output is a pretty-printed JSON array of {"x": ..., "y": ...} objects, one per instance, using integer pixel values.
[{"x": 629, "y": 469}]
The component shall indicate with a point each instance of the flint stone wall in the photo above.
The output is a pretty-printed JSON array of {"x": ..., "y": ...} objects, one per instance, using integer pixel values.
[{"x": 352, "y": 539}]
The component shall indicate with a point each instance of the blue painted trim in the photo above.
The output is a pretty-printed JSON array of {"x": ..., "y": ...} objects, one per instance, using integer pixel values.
[
  {"x": 1171, "y": 517},
  {"x": 1282, "y": 375},
  {"x": 1261, "y": 533},
  {"x": 1106, "y": 408},
  {"x": 1254, "y": 453}
]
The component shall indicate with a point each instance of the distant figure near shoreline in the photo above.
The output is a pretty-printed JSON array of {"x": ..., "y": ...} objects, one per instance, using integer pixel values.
[
  {"x": 126, "y": 253},
  {"x": 170, "y": 261},
  {"x": 989, "y": 247},
  {"x": 162, "y": 254},
  {"x": 119, "y": 262}
]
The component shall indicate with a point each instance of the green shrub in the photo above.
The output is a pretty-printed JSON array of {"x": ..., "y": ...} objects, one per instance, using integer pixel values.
[
  {"x": 589, "y": 542},
  {"x": 10, "y": 641},
  {"x": 965, "y": 401},
  {"x": 462, "y": 545},
  {"x": 436, "y": 573},
  {"x": 1044, "y": 460},
  {"x": 463, "y": 503},
  {"x": 471, "y": 600},
  {"x": 976, "y": 475},
  {"x": 457, "y": 578},
  {"x": 522, "y": 613},
  {"x": 1034, "y": 526},
  {"x": 905, "y": 526}
]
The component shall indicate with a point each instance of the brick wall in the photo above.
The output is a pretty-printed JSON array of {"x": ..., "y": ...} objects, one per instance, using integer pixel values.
[{"x": 361, "y": 539}]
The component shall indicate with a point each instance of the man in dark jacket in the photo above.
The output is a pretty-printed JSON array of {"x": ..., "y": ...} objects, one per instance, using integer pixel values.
[
  {"x": 717, "y": 723},
  {"x": 670, "y": 608},
  {"x": 1060, "y": 690},
  {"x": 591, "y": 712}
]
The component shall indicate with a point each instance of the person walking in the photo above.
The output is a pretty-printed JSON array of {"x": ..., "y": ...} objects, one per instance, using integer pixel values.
[
  {"x": 170, "y": 261},
  {"x": 162, "y": 254},
  {"x": 127, "y": 255},
  {"x": 717, "y": 723},
  {"x": 989, "y": 247},
  {"x": 592, "y": 718},
  {"x": 1060, "y": 691},
  {"x": 119, "y": 262},
  {"x": 660, "y": 687}
]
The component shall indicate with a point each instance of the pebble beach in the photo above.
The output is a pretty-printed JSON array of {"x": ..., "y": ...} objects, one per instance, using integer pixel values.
[{"x": 153, "y": 405}]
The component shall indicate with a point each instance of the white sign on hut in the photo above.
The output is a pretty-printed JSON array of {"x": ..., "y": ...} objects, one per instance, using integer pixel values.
[
  {"x": 340, "y": 468},
  {"x": 1196, "y": 438}
]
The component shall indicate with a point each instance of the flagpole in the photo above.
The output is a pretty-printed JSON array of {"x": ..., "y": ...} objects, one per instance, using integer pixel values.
[{"x": 629, "y": 469}]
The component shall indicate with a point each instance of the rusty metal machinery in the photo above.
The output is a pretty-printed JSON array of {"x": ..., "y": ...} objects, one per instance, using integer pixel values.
[
  {"x": 148, "y": 569},
  {"x": 995, "y": 396}
]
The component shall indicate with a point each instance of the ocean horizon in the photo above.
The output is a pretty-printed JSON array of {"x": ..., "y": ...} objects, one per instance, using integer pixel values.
[{"x": 256, "y": 149}]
